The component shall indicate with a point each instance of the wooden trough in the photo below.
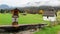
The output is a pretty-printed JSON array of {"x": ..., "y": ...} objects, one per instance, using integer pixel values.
[{"x": 19, "y": 28}]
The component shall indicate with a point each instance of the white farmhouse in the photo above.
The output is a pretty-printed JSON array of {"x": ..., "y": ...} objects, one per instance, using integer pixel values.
[{"x": 49, "y": 15}]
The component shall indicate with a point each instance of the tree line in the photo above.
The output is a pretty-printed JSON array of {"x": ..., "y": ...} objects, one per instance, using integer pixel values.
[{"x": 9, "y": 11}]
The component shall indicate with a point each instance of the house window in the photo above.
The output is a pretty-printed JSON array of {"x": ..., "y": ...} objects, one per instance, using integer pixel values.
[{"x": 47, "y": 16}]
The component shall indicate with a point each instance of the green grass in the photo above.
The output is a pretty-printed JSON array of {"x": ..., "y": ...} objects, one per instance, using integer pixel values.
[
  {"x": 28, "y": 19},
  {"x": 49, "y": 30},
  {"x": 6, "y": 19}
]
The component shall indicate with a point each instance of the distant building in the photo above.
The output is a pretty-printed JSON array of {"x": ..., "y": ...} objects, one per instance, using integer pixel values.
[
  {"x": 15, "y": 15},
  {"x": 49, "y": 15}
]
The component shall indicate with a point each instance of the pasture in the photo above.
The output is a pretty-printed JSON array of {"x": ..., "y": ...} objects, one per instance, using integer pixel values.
[{"x": 6, "y": 19}]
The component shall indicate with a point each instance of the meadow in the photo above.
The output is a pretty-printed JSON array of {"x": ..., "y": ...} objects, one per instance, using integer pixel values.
[{"x": 6, "y": 19}]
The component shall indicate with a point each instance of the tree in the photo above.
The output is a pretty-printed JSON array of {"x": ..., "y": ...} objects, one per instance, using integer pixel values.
[
  {"x": 41, "y": 11},
  {"x": 58, "y": 17},
  {"x": 2, "y": 11}
]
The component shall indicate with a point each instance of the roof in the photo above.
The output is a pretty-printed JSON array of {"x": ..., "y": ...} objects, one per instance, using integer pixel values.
[{"x": 49, "y": 13}]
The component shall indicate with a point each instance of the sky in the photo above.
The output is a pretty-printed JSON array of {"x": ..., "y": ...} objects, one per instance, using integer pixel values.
[{"x": 22, "y": 3}]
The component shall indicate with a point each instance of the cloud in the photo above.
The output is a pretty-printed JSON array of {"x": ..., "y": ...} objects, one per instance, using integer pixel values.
[
  {"x": 53, "y": 3},
  {"x": 47, "y": 3},
  {"x": 23, "y": 3},
  {"x": 13, "y": 2}
]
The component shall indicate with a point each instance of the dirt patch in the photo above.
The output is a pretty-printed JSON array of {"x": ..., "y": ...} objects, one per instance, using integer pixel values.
[
  {"x": 58, "y": 32},
  {"x": 26, "y": 32}
]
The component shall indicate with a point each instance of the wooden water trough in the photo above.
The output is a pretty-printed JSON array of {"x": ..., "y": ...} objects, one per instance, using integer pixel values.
[{"x": 19, "y": 28}]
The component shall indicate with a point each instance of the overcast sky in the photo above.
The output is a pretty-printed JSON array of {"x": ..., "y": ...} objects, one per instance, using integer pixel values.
[{"x": 22, "y": 3}]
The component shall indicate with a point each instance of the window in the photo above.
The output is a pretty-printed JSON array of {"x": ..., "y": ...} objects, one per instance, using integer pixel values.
[{"x": 47, "y": 16}]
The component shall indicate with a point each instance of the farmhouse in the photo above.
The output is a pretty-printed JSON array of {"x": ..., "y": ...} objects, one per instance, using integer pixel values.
[{"x": 49, "y": 15}]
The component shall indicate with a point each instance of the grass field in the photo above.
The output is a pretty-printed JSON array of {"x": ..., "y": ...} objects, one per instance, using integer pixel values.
[
  {"x": 49, "y": 30},
  {"x": 28, "y": 19},
  {"x": 6, "y": 19}
]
